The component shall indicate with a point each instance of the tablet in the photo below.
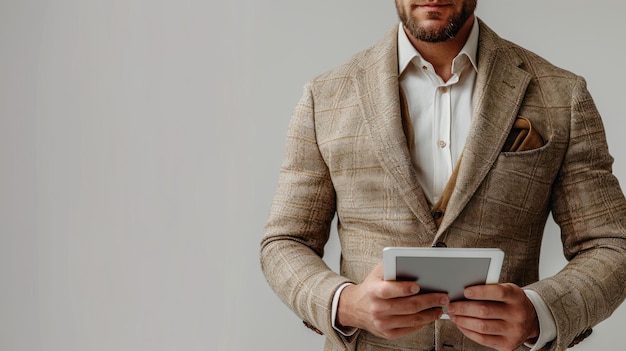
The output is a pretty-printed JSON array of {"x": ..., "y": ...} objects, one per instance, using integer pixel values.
[{"x": 447, "y": 270}]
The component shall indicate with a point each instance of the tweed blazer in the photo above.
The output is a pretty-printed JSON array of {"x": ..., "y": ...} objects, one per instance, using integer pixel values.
[{"x": 347, "y": 155}]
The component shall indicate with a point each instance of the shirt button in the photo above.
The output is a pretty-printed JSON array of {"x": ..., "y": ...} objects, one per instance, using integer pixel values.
[
  {"x": 442, "y": 144},
  {"x": 437, "y": 214},
  {"x": 425, "y": 68},
  {"x": 443, "y": 90}
]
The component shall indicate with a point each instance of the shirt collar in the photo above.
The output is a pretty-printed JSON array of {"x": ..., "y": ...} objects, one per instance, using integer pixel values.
[{"x": 407, "y": 52}]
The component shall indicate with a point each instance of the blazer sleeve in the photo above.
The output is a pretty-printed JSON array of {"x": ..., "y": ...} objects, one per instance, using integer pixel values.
[
  {"x": 589, "y": 206},
  {"x": 299, "y": 227}
]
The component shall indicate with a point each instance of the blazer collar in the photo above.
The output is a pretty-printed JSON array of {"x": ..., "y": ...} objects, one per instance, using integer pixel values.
[{"x": 500, "y": 88}]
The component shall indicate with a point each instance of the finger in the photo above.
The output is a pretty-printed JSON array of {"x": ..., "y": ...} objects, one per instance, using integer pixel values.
[
  {"x": 479, "y": 309},
  {"x": 417, "y": 303},
  {"x": 394, "y": 289},
  {"x": 387, "y": 289},
  {"x": 494, "y": 292},
  {"x": 481, "y": 326},
  {"x": 416, "y": 320}
]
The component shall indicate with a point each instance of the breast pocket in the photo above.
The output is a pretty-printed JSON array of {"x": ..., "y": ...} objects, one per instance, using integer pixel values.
[{"x": 519, "y": 184}]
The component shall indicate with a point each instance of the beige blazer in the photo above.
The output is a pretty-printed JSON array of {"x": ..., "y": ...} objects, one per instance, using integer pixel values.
[{"x": 347, "y": 155}]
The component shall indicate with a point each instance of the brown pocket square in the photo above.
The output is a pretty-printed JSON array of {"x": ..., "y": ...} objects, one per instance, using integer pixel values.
[{"x": 523, "y": 137}]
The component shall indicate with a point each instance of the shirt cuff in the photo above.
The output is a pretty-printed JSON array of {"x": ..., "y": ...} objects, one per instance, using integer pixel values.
[
  {"x": 343, "y": 331},
  {"x": 547, "y": 326}
]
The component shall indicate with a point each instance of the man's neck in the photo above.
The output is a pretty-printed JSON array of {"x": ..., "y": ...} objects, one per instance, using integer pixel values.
[{"x": 441, "y": 54}]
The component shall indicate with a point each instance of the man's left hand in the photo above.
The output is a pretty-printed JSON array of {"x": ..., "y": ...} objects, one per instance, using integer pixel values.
[{"x": 499, "y": 316}]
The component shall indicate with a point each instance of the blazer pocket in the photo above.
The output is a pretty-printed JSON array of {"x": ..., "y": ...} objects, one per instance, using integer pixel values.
[
  {"x": 523, "y": 137},
  {"x": 522, "y": 182}
]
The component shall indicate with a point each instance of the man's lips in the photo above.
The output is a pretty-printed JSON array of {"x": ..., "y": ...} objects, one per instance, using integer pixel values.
[
  {"x": 432, "y": 4},
  {"x": 431, "y": 7}
]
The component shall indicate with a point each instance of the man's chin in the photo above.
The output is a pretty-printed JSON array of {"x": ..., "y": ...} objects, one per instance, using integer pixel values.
[{"x": 432, "y": 23}]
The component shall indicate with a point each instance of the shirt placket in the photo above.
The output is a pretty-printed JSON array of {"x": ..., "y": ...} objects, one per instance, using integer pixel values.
[{"x": 441, "y": 131}]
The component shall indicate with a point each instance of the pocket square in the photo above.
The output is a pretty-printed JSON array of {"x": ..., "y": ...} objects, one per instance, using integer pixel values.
[{"x": 523, "y": 137}]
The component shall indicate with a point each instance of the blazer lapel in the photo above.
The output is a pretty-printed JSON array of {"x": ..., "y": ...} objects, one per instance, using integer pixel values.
[
  {"x": 498, "y": 94},
  {"x": 378, "y": 89}
]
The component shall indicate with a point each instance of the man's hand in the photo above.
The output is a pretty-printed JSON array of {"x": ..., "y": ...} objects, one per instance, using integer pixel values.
[
  {"x": 388, "y": 309},
  {"x": 498, "y": 316}
]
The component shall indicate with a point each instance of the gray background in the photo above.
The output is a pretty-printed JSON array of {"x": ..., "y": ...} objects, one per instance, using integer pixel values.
[{"x": 140, "y": 142}]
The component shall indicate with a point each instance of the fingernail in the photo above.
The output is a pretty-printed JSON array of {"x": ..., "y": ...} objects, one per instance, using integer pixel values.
[
  {"x": 450, "y": 308},
  {"x": 468, "y": 293},
  {"x": 415, "y": 289},
  {"x": 445, "y": 300}
]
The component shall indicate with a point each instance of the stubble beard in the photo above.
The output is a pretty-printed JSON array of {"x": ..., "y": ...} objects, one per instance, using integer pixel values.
[{"x": 437, "y": 35}]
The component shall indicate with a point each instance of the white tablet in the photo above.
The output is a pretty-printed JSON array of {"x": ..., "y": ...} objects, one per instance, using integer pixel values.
[{"x": 448, "y": 270}]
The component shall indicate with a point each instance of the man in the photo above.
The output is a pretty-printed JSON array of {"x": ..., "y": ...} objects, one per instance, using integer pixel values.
[{"x": 444, "y": 134}]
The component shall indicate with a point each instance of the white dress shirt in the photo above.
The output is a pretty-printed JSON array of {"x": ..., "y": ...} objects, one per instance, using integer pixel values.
[{"x": 441, "y": 114}]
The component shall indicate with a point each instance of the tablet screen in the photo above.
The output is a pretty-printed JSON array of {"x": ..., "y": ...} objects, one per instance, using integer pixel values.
[{"x": 443, "y": 274}]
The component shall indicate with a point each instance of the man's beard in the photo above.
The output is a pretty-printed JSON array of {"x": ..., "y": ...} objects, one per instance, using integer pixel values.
[{"x": 449, "y": 31}]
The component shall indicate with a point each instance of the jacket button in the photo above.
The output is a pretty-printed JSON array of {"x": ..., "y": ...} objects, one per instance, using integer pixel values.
[
  {"x": 581, "y": 337},
  {"x": 437, "y": 214}
]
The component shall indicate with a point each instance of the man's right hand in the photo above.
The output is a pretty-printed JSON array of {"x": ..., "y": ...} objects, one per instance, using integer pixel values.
[{"x": 388, "y": 309}]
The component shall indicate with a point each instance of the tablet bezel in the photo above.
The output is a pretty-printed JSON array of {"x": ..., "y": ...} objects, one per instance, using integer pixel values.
[{"x": 495, "y": 256}]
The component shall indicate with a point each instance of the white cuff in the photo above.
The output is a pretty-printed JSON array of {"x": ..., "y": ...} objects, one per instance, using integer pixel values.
[
  {"x": 547, "y": 327},
  {"x": 343, "y": 331}
]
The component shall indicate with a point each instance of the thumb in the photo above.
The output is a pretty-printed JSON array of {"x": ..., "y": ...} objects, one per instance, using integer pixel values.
[{"x": 391, "y": 289}]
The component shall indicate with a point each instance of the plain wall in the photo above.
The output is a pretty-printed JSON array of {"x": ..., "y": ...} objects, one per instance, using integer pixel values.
[{"x": 140, "y": 143}]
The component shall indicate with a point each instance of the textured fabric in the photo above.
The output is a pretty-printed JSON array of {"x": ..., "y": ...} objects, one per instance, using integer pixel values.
[{"x": 347, "y": 154}]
